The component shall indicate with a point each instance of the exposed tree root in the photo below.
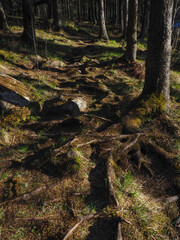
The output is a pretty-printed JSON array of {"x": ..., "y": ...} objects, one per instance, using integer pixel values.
[
  {"x": 111, "y": 179},
  {"x": 119, "y": 232},
  {"x": 30, "y": 195}
]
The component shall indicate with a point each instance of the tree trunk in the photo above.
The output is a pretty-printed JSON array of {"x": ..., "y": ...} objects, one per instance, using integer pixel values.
[
  {"x": 121, "y": 19},
  {"x": 131, "y": 48},
  {"x": 28, "y": 35},
  {"x": 125, "y": 16},
  {"x": 144, "y": 20},
  {"x": 57, "y": 15},
  {"x": 3, "y": 21},
  {"x": 159, "y": 50},
  {"x": 102, "y": 24}
]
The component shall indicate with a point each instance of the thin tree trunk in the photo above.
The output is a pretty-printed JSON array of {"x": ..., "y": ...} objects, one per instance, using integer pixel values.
[
  {"x": 103, "y": 32},
  {"x": 159, "y": 49},
  {"x": 3, "y": 20},
  {"x": 125, "y": 16},
  {"x": 131, "y": 48}
]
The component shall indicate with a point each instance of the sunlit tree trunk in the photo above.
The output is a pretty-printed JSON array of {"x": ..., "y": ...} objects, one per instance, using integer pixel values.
[
  {"x": 131, "y": 48},
  {"x": 159, "y": 49},
  {"x": 103, "y": 32}
]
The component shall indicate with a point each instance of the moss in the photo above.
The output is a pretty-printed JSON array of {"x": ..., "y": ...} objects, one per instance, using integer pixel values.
[{"x": 152, "y": 106}]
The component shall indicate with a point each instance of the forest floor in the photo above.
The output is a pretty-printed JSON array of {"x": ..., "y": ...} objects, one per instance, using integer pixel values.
[{"x": 97, "y": 172}]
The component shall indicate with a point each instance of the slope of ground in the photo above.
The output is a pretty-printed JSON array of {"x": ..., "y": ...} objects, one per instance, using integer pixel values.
[{"x": 70, "y": 166}]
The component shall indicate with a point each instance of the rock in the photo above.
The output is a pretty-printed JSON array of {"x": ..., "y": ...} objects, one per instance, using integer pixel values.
[
  {"x": 13, "y": 91},
  {"x": 82, "y": 104},
  {"x": 53, "y": 64},
  {"x": 71, "y": 108},
  {"x": 5, "y": 138}
]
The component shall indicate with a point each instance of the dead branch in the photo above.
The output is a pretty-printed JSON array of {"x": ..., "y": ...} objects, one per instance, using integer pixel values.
[
  {"x": 104, "y": 139},
  {"x": 43, "y": 124},
  {"x": 95, "y": 116},
  {"x": 52, "y": 216},
  {"x": 111, "y": 179},
  {"x": 133, "y": 142},
  {"x": 119, "y": 232},
  {"x": 57, "y": 150},
  {"x": 28, "y": 196},
  {"x": 77, "y": 224}
]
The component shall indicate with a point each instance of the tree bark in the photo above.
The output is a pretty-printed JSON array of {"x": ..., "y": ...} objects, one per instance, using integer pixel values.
[
  {"x": 131, "y": 48},
  {"x": 57, "y": 15},
  {"x": 28, "y": 35},
  {"x": 103, "y": 32},
  {"x": 3, "y": 20},
  {"x": 144, "y": 20},
  {"x": 125, "y": 16},
  {"x": 159, "y": 49}
]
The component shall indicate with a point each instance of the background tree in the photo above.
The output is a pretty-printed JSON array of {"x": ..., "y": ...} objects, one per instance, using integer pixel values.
[
  {"x": 103, "y": 32},
  {"x": 159, "y": 49},
  {"x": 3, "y": 20},
  {"x": 28, "y": 35},
  {"x": 131, "y": 48}
]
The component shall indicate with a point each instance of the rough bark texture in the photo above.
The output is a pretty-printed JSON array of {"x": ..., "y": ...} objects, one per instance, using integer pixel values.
[
  {"x": 28, "y": 35},
  {"x": 3, "y": 21},
  {"x": 131, "y": 48},
  {"x": 159, "y": 49},
  {"x": 102, "y": 24}
]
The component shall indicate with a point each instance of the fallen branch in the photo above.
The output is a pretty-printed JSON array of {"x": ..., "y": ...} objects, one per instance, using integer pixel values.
[
  {"x": 56, "y": 151},
  {"x": 133, "y": 142},
  {"x": 38, "y": 218},
  {"x": 77, "y": 224},
  {"x": 104, "y": 139},
  {"x": 95, "y": 116},
  {"x": 28, "y": 196},
  {"x": 111, "y": 179}
]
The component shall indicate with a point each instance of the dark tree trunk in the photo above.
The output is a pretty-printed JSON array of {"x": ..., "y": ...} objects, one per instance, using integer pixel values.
[
  {"x": 159, "y": 49},
  {"x": 121, "y": 19},
  {"x": 79, "y": 10},
  {"x": 28, "y": 35},
  {"x": 131, "y": 48},
  {"x": 125, "y": 16},
  {"x": 57, "y": 15},
  {"x": 94, "y": 12},
  {"x": 103, "y": 32},
  {"x": 144, "y": 20},
  {"x": 3, "y": 21}
]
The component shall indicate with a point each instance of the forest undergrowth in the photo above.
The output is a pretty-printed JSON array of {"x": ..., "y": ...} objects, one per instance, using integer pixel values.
[{"x": 112, "y": 167}]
